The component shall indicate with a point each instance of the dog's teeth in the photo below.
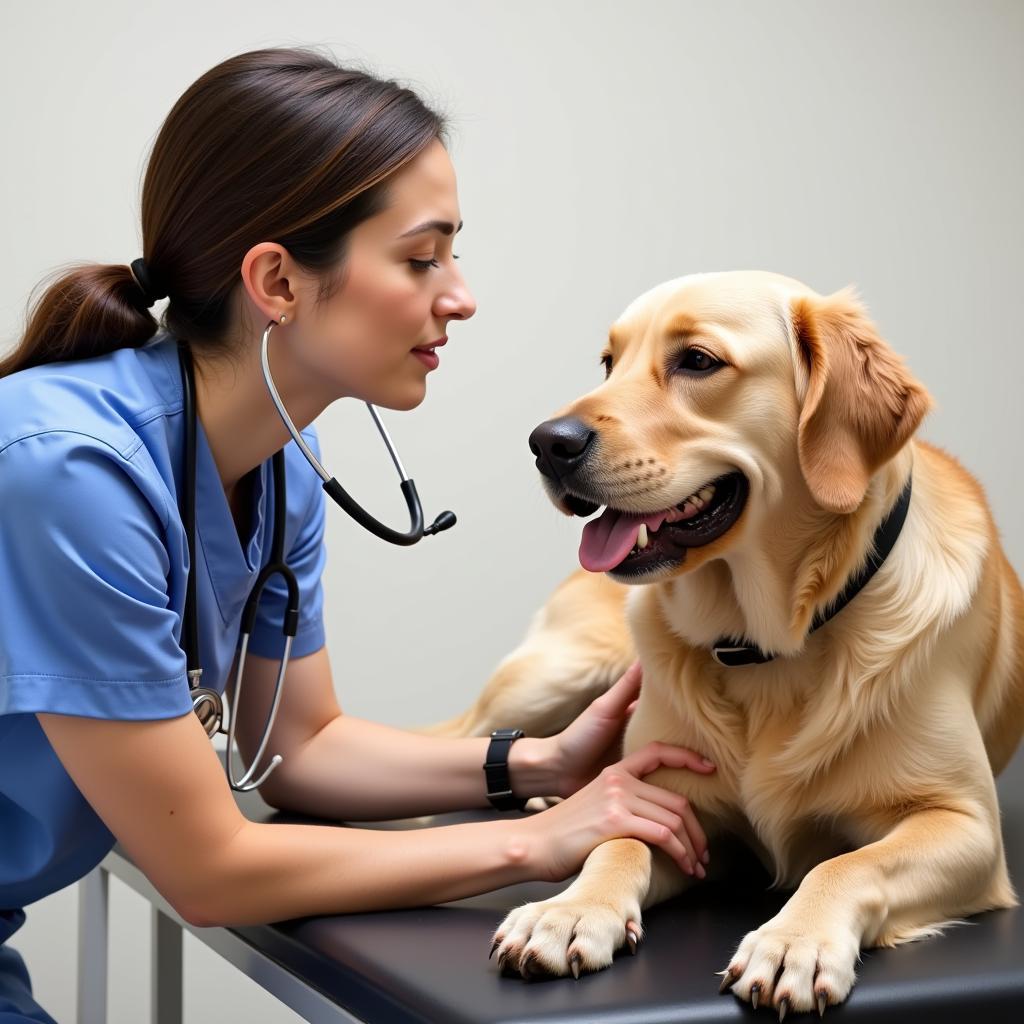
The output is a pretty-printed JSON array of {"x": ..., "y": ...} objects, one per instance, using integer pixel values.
[
  {"x": 641, "y": 536},
  {"x": 706, "y": 492}
]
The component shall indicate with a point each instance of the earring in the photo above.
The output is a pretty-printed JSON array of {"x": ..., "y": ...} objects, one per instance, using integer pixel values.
[{"x": 283, "y": 318}]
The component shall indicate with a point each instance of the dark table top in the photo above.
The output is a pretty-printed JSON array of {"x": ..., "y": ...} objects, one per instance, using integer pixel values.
[{"x": 431, "y": 964}]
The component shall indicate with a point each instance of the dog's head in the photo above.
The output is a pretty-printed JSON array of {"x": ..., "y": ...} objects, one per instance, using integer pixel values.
[{"x": 728, "y": 397}]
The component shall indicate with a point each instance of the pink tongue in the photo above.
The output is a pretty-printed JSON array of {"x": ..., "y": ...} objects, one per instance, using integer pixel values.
[{"x": 607, "y": 539}]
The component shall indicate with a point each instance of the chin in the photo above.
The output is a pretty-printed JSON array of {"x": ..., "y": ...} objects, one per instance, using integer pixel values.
[{"x": 401, "y": 399}]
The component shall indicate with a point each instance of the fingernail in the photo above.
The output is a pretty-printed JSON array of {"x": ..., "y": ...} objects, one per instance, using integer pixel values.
[
  {"x": 705, "y": 856},
  {"x": 708, "y": 762},
  {"x": 689, "y": 868},
  {"x": 701, "y": 873}
]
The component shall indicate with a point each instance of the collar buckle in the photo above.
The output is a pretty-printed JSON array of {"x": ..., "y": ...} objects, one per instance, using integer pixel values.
[{"x": 719, "y": 650}]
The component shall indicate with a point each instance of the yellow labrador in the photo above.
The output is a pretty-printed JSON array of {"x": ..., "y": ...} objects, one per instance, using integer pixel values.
[{"x": 753, "y": 445}]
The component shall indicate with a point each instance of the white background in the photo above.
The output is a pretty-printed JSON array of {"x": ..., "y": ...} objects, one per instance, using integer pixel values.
[{"x": 600, "y": 148}]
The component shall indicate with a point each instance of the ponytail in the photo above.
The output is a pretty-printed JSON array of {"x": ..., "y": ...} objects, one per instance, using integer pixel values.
[{"x": 91, "y": 309}]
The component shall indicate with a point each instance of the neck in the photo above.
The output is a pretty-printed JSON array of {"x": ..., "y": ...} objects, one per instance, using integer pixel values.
[
  {"x": 241, "y": 424},
  {"x": 793, "y": 562}
]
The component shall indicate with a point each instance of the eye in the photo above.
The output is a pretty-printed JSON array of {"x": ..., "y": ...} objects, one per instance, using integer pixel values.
[
  {"x": 696, "y": 360},
  {"x": 422, "y": 265},
  {"x": 606, "y": 362}
]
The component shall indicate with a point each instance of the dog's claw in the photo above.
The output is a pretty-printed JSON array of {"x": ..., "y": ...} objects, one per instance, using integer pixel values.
[
  {"x": 526, "y": 968},
  {"x": 497, "y": 943},
  {"x": 822, "y": 1003},
  {"x": 783, "y": 1007},
  {"x": 755, "y": 992},
  {"x": 631, "y": 940},
  {"x": 728, "y": 981},
  {"x": 574, "y": 965}
]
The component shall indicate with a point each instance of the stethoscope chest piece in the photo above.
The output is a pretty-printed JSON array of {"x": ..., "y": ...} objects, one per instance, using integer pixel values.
[{"x": 209, "y": 708}]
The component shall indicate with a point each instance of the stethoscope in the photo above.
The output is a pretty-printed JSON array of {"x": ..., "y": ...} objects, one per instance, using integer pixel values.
[{"x": 207, "y": 703}]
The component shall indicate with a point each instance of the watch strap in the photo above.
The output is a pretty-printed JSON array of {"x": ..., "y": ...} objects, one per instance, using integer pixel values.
[{"x": 499, "y": 785}]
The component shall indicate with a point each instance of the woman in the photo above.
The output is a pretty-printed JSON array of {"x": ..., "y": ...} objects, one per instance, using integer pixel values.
[{"x": 282, "y": 190}]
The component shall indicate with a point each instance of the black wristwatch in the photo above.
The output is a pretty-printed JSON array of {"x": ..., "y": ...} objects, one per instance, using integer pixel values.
[{"x": 499, "y": 786}]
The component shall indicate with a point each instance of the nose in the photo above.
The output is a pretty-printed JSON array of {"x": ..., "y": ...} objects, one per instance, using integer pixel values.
[
  {"x": 455, "y": 303},
  {"x": 561, "y": 445}
]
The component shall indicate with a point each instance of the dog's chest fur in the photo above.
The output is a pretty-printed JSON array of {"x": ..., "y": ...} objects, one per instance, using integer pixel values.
[{"x": 778, "y": 784}]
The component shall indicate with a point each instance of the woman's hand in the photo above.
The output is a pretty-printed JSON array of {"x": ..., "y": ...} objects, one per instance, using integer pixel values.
[
  {"x": 617, "y": 804},
  {"x": 594, "y": 740}
]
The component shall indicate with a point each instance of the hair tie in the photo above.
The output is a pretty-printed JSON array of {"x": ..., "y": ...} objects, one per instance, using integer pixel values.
[{"x": 147, "y": 282}]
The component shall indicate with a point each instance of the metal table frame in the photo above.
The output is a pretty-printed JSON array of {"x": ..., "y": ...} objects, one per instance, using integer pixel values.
[{"x": 166, "y": 957}]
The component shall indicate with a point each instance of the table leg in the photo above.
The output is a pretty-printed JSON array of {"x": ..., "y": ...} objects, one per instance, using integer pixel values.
[
  {"x": 92, "y": 946},
  {"x": 166, "y": 992}
]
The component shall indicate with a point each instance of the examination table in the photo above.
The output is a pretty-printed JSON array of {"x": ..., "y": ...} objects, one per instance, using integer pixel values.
[{"x": 431, "y": 964}]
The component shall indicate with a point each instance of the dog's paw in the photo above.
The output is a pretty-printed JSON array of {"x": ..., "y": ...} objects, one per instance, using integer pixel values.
[
  {"x": 564, "y": 935},
  {"x": 816, "y": 964}
]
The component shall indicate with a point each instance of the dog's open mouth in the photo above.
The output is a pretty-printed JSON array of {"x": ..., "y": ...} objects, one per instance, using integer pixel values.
[{"x": 630, "y": 544}]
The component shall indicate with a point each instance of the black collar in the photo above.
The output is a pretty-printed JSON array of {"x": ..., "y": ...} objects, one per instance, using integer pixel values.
[{"x": 729, "y": 651}]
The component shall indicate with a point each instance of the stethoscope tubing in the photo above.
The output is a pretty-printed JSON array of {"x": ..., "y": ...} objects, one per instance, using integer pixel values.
[
  {"x": 206, "y": 702},
  {"x": 338, "y": 493}
]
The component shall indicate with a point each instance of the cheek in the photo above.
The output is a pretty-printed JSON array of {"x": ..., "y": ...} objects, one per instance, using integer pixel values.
[{"x": 386, "y": 302}]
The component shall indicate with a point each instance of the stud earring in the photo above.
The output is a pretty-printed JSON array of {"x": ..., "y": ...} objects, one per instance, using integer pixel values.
[{"x": 283, "y": 318}]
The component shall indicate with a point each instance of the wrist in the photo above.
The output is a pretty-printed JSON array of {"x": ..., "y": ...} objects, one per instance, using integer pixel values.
[
  {"x": 531, "y": 766},
  {"x": 520, "y": 846}
]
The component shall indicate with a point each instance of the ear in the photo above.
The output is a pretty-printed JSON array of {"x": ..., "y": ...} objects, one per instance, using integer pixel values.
[{"x": 862, "y": 404}]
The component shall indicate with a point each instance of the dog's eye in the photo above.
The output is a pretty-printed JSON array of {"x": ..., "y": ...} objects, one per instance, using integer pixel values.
[
  {"x": 698, "y": 360},
  {"x": 606, "y": 362}
]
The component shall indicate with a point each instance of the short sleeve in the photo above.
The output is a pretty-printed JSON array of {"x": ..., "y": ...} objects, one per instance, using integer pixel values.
[
  {"x": 306, "y": 557},
  {"x": 86, "y": 622}
]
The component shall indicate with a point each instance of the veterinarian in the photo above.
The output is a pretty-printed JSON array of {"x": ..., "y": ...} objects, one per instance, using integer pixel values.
[{"x": 299, "y": 218}]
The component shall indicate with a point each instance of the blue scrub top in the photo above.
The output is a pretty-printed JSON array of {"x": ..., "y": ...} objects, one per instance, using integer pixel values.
[{"x": 93, "y": 564}]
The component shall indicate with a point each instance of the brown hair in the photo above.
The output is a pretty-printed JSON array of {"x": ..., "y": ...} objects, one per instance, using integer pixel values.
[{"x": 279, "y": 145}]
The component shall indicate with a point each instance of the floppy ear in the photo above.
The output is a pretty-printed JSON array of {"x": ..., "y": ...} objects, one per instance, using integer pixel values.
[{"x": 862, "y": 404}]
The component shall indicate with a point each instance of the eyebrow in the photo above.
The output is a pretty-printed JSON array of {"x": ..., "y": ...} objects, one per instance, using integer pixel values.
[{"x": 444, "y": 226}]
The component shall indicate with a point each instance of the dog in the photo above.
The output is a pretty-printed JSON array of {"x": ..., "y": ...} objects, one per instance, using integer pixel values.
[{"x": 753, "y": 445}]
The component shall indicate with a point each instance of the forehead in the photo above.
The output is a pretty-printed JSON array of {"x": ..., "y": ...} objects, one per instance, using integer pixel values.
[
  {"x": 429, "y": 176},
  {"x": 730, "y": 301}
]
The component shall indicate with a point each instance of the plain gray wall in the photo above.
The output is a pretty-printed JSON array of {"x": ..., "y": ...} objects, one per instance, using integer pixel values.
[{"x": 600, "y": 148}]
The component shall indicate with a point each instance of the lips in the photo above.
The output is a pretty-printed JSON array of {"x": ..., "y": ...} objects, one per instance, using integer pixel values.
[{"x": 430, "y": 346}]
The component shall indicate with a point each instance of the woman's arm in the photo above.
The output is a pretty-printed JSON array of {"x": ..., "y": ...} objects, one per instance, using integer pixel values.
[
  {"x": 160, "y": 789},
  {"x": 350, "y": 769}
]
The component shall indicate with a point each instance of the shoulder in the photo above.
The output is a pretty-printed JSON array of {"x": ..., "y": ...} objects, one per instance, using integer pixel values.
[
  {"x": 65, "y": 476},
  {"x": 106, "y": 398}
]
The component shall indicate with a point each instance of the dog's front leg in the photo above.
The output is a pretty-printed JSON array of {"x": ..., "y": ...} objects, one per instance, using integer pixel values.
[
  {"x": 936, "y": 864},
  {"x": 580, "y": 929}
]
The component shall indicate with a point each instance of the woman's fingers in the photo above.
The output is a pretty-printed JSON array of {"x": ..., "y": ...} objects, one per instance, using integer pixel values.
[
  {"x": 657, "y": 834},
  {"x": 678, "y": 825},
  {"x": 678, "y": 805},
  {"x": 656, "y": 755}
]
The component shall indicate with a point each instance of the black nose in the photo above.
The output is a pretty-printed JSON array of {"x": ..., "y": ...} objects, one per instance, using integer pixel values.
[{"x": 560, "y": 445}]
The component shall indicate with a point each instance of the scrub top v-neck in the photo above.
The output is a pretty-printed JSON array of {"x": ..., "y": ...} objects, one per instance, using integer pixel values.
[{"x": 93, "y": 565}]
